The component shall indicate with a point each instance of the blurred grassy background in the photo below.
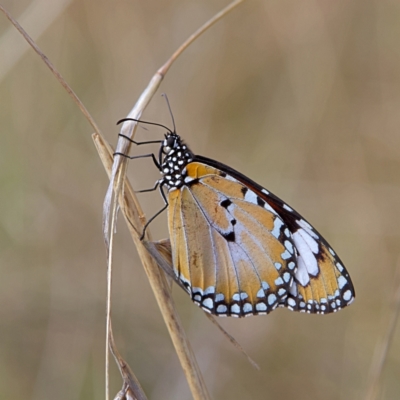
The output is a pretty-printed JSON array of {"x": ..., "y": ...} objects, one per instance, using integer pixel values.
[{"x": 302, "y": 96}]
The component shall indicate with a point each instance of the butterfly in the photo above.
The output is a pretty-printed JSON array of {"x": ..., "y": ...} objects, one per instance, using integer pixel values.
[{"x": 237, "y": 249}]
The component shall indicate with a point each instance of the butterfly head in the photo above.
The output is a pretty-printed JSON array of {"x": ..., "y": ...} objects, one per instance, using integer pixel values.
[{"x": 174, "y": 156}]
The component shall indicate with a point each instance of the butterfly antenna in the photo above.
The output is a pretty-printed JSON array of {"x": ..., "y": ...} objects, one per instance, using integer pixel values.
[
  {"x": 144, "y": 122},
  {"x": 170, "y": 111}
]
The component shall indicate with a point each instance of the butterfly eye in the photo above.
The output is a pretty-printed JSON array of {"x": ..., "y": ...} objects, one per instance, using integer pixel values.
[{"x": 169, "y": 144}]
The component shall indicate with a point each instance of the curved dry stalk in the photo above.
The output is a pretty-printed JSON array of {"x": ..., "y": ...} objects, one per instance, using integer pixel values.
[{"x": 137, "y": 221}]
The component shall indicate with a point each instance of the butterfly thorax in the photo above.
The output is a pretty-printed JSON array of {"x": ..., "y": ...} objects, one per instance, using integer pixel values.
[{"x": 176, "y": 156}]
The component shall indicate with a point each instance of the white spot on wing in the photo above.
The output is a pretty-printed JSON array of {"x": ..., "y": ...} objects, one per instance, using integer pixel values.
[
  {"x": 222, "y": 309},
  {"x": 209, "y": 290},
  {"x": 307, "y": 227},
  {"x": 285, "y": 255},
  {"x": 219, "y": 297},
  {"x": 289, "y": 246},
  {"x": 251, "y": 197},
  {"x": 313, "y": 244},
  {"x": 271, "y": 299},
  {"x": 304, "y": 224},
  {"x": 291, "y": 265},
  {"x": 235, "y": 309},
  {"x": 281, "y": 291},
  {"x": 342, "y": 281},
  {"x": 247, "y": 308},
  {"x": 291, "y": 302},
  {"x": 230, "y": 178},
  {"x": 277, "y": 227},
  {"x": 208, "y": 303},
  {"x": 265, "y": 191},
  {"x": 286, "y": 207},
  {"x": 306, "y": 257},
  {"x": 278, "y": 281},
  {"x": 261, "y": 307},
  {"x": 301, "y": 273}
]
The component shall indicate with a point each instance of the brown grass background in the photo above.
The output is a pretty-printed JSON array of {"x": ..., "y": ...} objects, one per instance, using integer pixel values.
[{"x": 302, "y": 96}]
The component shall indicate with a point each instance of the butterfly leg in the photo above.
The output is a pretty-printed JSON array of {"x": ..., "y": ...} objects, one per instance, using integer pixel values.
[
  {"x": 149, "y": 190},
  {"x": 141, "y": 156},
  {"x": 160, "y": 184},
  {"x": 138, "y": 143}
]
